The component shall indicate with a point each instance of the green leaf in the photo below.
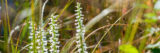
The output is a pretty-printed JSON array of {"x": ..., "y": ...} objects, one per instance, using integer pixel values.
[
  {"x": 127, "y": 48},
  {"x": 150, "y": 18},
  {"x": 155, "y": 50},
  {"x": 143, "y": 6},
  {"x": 150, "y": 15},
  {"x": 68, "y": 45}
]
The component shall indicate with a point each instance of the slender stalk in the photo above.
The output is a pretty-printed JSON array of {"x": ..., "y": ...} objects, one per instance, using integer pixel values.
[
  {"x": 33, "y": 19},
  {"x": 7, "y": 15}
]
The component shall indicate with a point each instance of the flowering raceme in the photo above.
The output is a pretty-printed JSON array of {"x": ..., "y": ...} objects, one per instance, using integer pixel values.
[
  {"x": 80, "y": 29},
  {"x": 38, "y": 39},
  {"x": 32, "y": 37},
  {"x": 54, "y": 48}
]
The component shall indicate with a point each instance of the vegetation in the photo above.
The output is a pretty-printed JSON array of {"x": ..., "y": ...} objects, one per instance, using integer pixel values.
[{"x": 79, "y": 26}]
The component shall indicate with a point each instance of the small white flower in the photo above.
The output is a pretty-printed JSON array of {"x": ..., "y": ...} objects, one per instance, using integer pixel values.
[
  {"x": 58, "y": 51},
  {"x": 77, "y": 16},
  {"x": 30, "y": 47},
  {"x": 78, "y": 30},
  {"x": 79, "y": 50},
  {"x": 31, "y": 33},
  {"x": 38, "y": 47},
  {"x": 38, "y": 40},
  {"x": 31, "y": 52}
]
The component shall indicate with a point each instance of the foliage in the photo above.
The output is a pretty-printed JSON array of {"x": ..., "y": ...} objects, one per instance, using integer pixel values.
[
  {"x": 127, "y": 48},
  {"x": 57, "y": 26}
]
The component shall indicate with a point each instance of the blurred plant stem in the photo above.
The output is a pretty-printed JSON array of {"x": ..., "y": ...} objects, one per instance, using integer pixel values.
[
  {"x": 33, "y": 21},
  {"x": 109, "y": 30},
  {"x": 5, "y": 24},
  {"x": 136, "y": 16}
]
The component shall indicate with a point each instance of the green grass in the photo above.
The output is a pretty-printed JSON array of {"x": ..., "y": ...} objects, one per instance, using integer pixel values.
[{"x": 109, "y": 26}]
